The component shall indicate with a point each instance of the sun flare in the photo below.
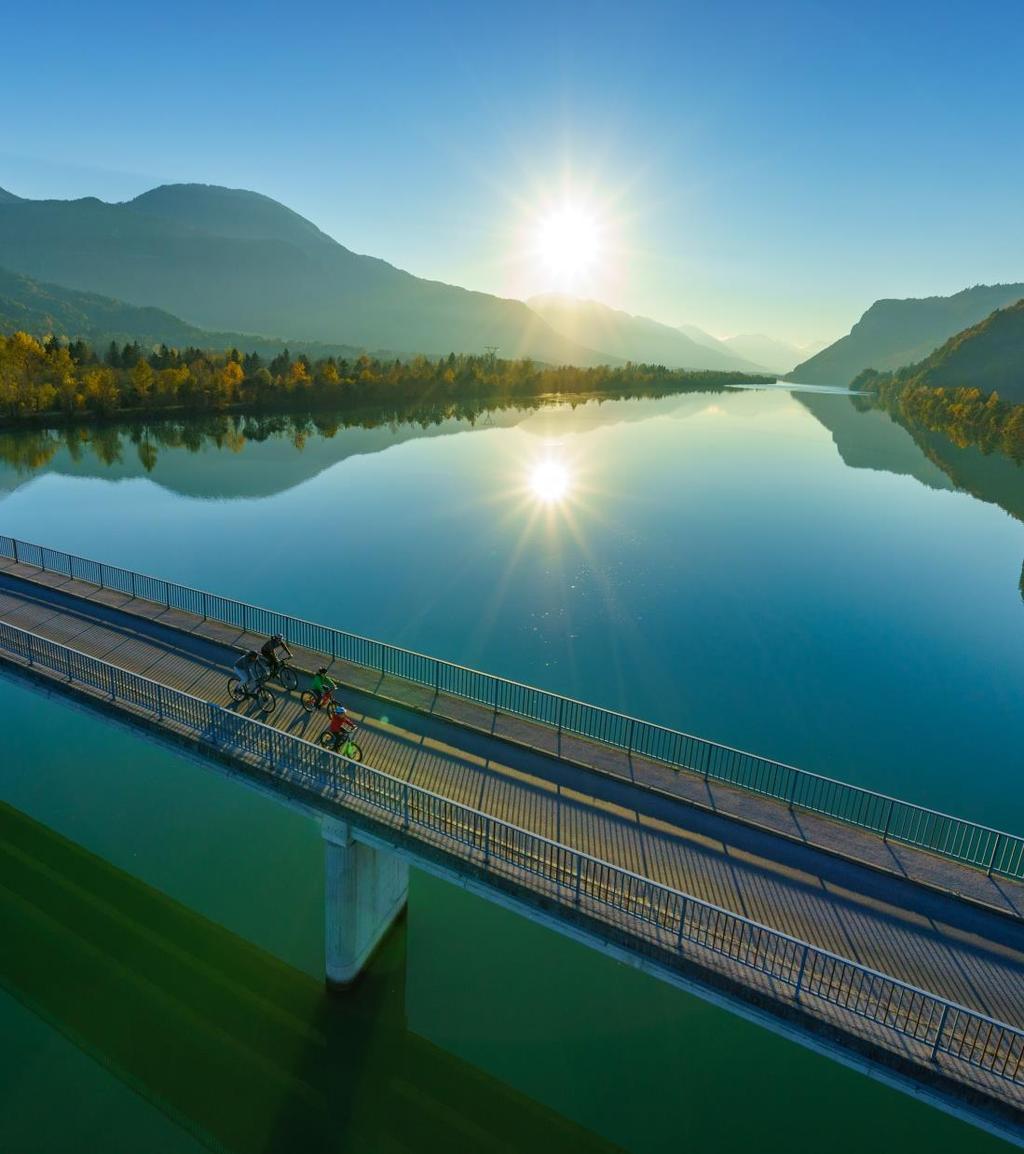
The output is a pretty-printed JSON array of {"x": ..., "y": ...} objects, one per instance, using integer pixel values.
[
  {"x": 569, "y": 242},
  {"x": 550, "y": 481}
]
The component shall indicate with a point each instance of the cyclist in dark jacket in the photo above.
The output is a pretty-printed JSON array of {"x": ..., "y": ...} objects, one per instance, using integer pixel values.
[{"x": 269, "y": 652}]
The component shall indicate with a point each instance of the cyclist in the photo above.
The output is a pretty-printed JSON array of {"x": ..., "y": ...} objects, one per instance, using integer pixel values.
[
  {"x": 323, "y": 686},
  {"x": 250, "y": 671},
  {"x": 341, "y": 723},
  {"x": 269, "y": 653}
]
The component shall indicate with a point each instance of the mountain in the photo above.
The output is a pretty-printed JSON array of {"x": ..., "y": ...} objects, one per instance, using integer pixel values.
[
  {"x": 631, "y": 338},
  {"x": 701, "y": 337},
  {"x": 988, "y": 356},
  {"x": 893, "y": 333},
  {"x": 8, "y": 197},
  {"x": 778, "y": 355},
  {"x": 228, "y": 259},
  {"x": 46, "y": 309}
]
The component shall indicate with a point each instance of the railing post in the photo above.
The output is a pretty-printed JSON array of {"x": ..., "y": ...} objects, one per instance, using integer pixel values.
[
  {"x": 682, "y": 924},
  {"x": 17, "y": 560},
  {"x": 992, "y": 858},
  {"x": 160, "y": 701},
  {"x": 795, "y": 780},
  {"x": 405, "y": 806},
  {"x": 629, "y": 736},
  {"x": 938, "y": 1032},
  {"x": 487, "y": 841},
  {"x": 800, "y": 973},
  {"x": 888, "y": 820},
  {"x": 561, "y": 703},
  {"x": 113, "y": 684},
  {"x": 245, "y": 618},
  {"x": 707, "y": 760},
  {"x": 579, "y": 880},
  {"x": 134, "y": 595},
  {"x": 31, "y": 656},
  {"x": 102, "y": 586}
]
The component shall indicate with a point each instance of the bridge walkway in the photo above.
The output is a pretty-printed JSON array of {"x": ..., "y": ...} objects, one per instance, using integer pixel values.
[
  {"x": 956, "y": 949},
  {"x": 891, "y": 857}
]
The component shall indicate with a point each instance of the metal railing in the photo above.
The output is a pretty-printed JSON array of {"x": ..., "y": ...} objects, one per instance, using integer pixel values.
[
  {"x": 656, "y": 914},
  {"x": 955, "y": 838}
]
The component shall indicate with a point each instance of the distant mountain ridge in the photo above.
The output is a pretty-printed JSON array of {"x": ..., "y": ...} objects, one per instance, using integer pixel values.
[
  {"x": 774, "y": 354},
  {"x": 233, "y": 260},
  {"x": 633, "y": 338},
  {"x": 769, "y": 351},
  {"x": 988, "y": 356},
  {"x": 700, "y": 336},
  {"x": 894, "y": 333}
]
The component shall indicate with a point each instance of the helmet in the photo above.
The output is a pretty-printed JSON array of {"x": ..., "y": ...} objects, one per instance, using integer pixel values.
[
  {"x": 278, "y": 638},
  {"x": 340, "y": 709},
  {"x": 322, "y": 669}
]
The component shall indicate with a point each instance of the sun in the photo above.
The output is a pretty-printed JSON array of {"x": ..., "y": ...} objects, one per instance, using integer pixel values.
[{"x": 569, "y": 242}]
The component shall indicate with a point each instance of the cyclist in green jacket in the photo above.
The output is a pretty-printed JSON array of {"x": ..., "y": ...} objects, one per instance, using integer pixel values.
[{"x": 323, "y": 686}]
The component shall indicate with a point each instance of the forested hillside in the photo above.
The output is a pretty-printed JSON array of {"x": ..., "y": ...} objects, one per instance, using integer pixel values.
[
  {"x": 988, "y": 356},
  {"x": 894, "y": 333}
]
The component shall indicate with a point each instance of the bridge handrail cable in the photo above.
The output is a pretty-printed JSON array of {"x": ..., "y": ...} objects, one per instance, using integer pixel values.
[
  {"x": 664, "y": 917},
  {"x": 959, "y": 839}
]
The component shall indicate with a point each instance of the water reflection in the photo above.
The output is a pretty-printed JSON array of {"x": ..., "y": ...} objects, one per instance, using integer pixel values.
[
  {"x": 867, "y": 437},
  {"x": 138, "y": 446},
  {"x": 550, "y": 480}
]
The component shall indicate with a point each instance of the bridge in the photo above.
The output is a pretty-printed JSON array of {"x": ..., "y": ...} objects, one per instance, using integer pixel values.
[{"x": 879, "y": 932}]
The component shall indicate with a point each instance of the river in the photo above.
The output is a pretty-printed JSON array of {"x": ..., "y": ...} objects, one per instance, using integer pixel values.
[{"x": 771, "y": 568}]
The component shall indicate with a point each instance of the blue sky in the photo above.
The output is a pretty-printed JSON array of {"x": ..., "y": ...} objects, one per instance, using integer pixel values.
[{"x": 755, "y": 167}]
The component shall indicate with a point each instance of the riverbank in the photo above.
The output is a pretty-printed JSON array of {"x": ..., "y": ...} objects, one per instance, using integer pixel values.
[{"x": 51, "y": 383}]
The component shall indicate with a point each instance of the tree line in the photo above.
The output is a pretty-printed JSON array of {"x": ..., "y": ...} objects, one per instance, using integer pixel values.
[
  {"x": 59, "y": 380},
  {"x": 967, "y": 416}
]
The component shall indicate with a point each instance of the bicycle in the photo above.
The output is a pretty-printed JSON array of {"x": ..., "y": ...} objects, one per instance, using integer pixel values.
[
  {"x": 311, "y": 701},
  {"x": 239, "y": 691},
  {"x": 342, "y": 743},
  {"x": 284, "y": 673}
]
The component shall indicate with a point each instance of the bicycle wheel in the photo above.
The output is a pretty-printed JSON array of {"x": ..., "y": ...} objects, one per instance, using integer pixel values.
[
  {"x": 326, "y": 739},
  {"x": 309, "y": 700},
  {"x": 287, "y": 676},
  {"x": 352, "y": 752},
  {"x": 236, "y": 689},
  {"x": 266, "y": 700}
]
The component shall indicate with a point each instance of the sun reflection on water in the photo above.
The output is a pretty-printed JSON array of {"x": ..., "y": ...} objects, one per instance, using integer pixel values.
[{"x": 550, "y": 480}]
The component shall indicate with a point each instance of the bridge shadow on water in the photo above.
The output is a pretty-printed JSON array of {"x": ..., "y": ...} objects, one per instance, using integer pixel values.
[{"x": 241, "y": 1050}]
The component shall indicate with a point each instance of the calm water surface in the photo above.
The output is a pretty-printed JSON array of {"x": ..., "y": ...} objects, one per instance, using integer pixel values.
[{"x": 773, "y": 570}]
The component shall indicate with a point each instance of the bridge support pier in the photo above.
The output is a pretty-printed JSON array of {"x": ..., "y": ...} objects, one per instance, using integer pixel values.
[{"x": 364, "y": 893}]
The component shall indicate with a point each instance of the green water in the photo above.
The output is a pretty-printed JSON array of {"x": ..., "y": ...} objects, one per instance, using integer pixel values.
[{"x": 777, "y": 571}]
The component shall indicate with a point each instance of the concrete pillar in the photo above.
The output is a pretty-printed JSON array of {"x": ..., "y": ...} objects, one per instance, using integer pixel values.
[{"x": 364, "y": 892}]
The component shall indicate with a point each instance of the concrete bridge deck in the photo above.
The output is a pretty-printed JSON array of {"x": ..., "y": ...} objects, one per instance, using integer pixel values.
[{"x": 894, "y": 911}]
